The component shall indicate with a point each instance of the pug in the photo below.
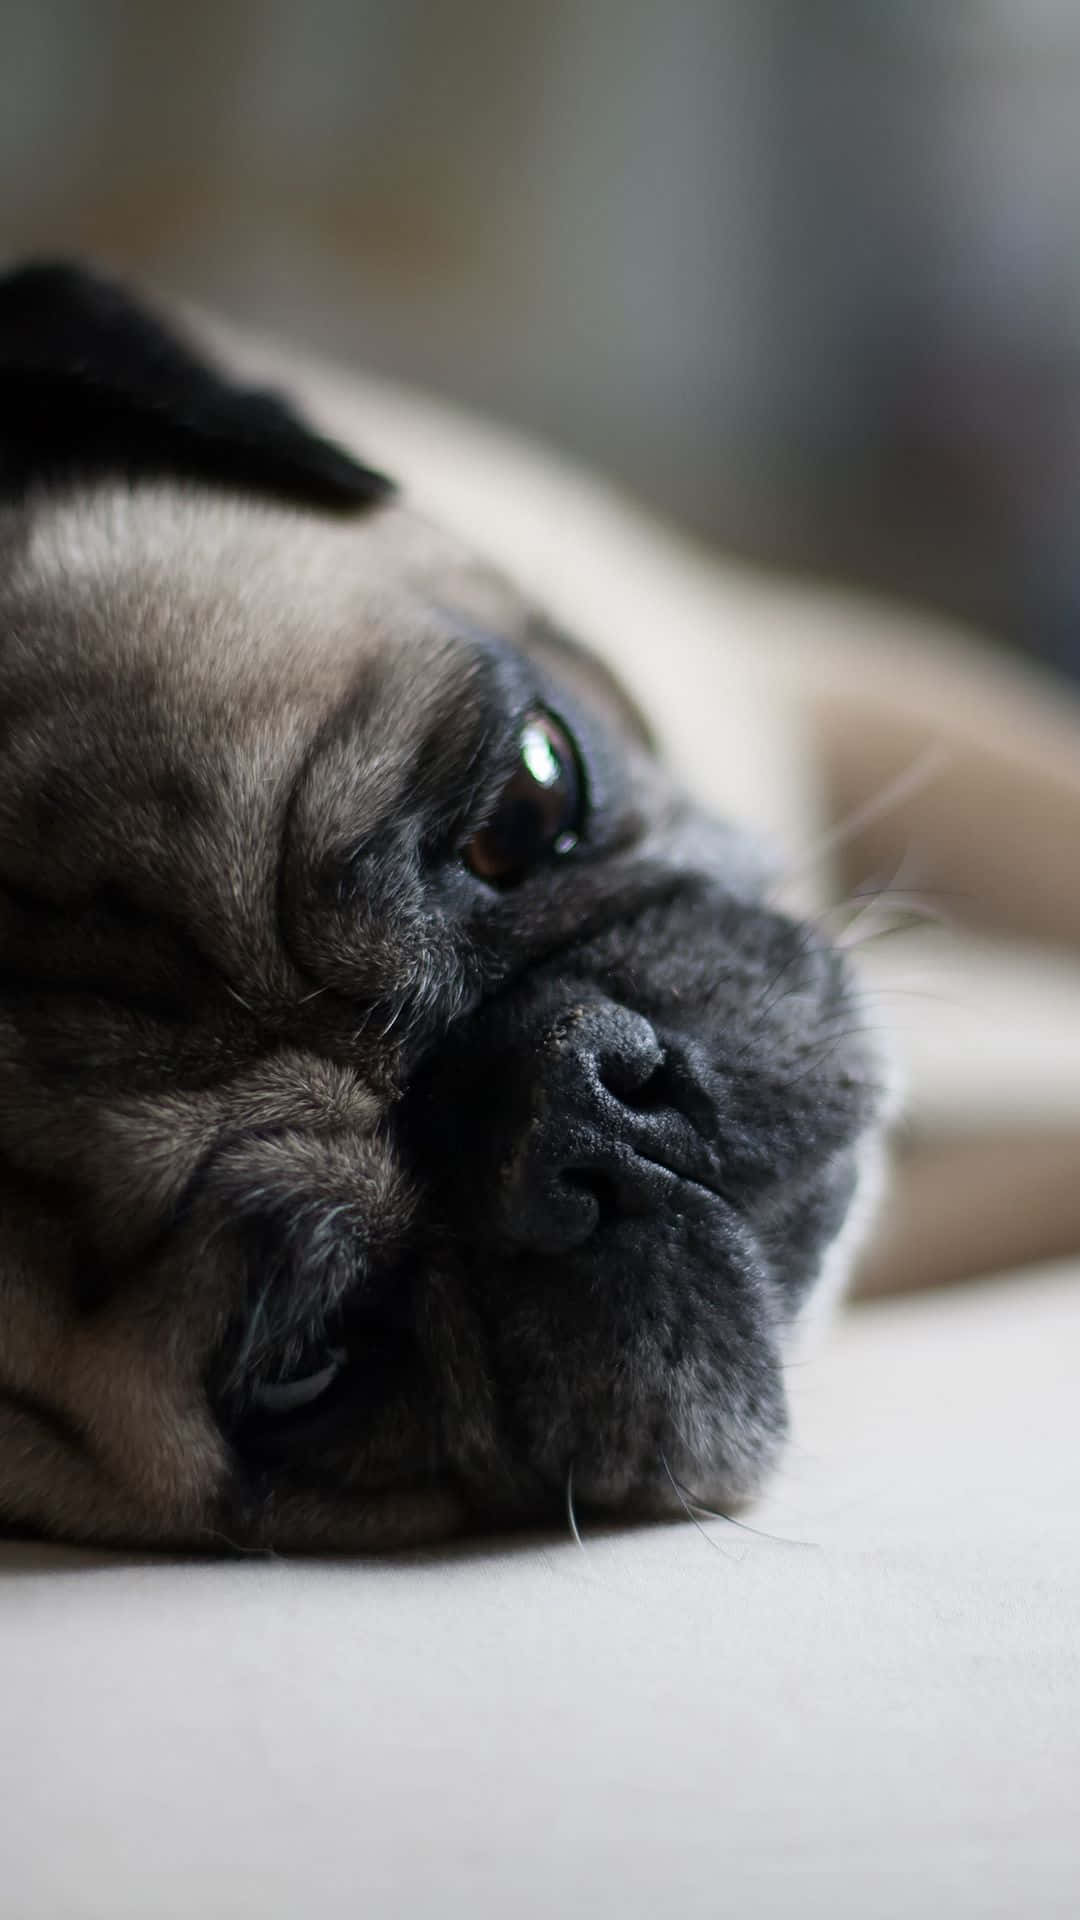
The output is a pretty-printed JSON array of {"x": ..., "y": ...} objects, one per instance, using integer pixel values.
[{"x": 416, "y": 1115}]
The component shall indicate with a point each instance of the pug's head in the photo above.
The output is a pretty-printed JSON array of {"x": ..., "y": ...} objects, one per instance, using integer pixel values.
[{"x": 412, "y": 1109}]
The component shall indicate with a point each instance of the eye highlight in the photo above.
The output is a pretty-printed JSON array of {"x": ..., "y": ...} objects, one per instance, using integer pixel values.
[{"x": 540, "y": 810}]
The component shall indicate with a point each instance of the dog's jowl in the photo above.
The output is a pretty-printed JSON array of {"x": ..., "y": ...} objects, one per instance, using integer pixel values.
[{"x": 411, "y": 1106}]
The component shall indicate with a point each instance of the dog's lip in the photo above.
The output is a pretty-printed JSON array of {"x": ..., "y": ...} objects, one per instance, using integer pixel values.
[
  {"x": 680, "y": 1157},
  {"x": 696, "y": 1182}
]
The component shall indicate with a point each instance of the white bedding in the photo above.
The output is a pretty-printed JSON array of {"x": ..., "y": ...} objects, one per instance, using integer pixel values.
[{"x": 881, "y": 1722}]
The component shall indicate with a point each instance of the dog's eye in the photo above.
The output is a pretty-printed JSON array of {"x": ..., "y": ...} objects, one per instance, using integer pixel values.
[
  {"x": 315, "y": 1374},
  {"x": 539, "y": 811}
]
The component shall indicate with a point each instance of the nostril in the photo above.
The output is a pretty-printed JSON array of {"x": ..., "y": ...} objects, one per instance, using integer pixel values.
[
  {"x": 628, "y": 1059},
  {"x": 581, "y": 1154},
  {"x": 644, "y": 1092}
]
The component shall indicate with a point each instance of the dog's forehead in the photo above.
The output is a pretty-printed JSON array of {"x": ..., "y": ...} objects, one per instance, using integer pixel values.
[
  {"x": 218, "y": 594},
  {"x": 217, "y": 588}
]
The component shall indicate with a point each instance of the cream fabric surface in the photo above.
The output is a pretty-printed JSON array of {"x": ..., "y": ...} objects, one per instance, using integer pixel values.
[
  {"x": 878, "y": 1722},
  {"x": 874, "y": 1714}
]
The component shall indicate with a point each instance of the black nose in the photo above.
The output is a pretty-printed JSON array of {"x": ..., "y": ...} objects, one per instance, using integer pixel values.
[{"x": 594, "y": 1136}]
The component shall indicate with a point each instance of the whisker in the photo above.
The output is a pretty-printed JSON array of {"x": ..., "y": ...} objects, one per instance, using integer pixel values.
[
  {"x": 575, "y": 1531},
  {"x": 908, "y": 900},
  {"x": 825, "y": 1052},
  {"x": 690, "y": 1514},
  {"x": 927, "y": 766},
  {"x": 237, "y": 1546},
  {"x": 697, "y": 1506},
  {"x": 765, "y": 1005},
  {"x": 392, "y": 1022},
  {"x": 873, "y": 993},
  {"x": 869, "y": 890},
  {"x": 845, "y": 944},
  {"x": 871, "y": 898}
]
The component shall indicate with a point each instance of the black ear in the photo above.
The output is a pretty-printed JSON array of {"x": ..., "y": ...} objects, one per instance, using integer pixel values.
[{"x": 92, "y": 383}]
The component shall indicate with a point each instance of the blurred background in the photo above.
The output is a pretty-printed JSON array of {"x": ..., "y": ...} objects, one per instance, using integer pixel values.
[{"x": 805, "y": 278}]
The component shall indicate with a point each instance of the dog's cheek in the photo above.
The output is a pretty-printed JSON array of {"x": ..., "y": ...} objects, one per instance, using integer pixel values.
[
  {"x": 146, "y": 1420},
  {"x": 132, "y": 1376},
  {"x": 129, "y": 1159},
  {"x": 104, "y": 1431},
  {"x": 106, "y": 1434}
]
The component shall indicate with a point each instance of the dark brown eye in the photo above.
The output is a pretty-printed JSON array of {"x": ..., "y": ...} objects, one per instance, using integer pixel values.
[{"x": 540, "y": 808}]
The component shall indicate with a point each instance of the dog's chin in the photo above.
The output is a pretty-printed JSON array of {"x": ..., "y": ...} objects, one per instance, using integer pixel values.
[{"x": 632, "y": 1376}]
